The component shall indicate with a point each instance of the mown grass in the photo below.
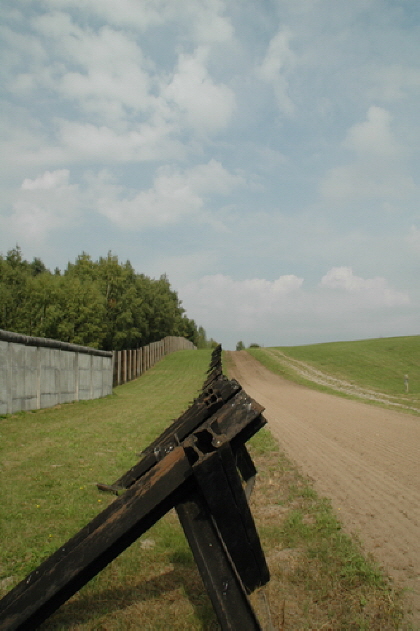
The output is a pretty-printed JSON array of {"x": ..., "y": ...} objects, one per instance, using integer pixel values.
[
  {"x": 50, "y": 463},
  {"x": 52, "y": 459},
  {"x": 377, "y": 364}
]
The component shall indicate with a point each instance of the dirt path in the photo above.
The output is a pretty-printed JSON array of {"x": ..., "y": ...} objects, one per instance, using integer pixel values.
[{"x": 365, "y": 459}]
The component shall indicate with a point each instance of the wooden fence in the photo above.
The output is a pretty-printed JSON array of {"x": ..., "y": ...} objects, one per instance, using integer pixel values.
[
  {"x": 39, "y": 373},
  {"x": 130, "y": 364}
]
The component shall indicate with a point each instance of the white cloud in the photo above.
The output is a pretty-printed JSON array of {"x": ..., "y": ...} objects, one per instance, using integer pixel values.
[
  {"x": 130, "y": 13},
  {"x": 103, "y": 71},
  {"x": 116, "y": 101},
  {"x": 48, "y": 180},
  {"x": 394, "y": 82},
  {"x": 366, "y": 181},
  {"x": 180, "y": 268},
  {"x": 271, "y": 159},
  {"x": 174, "y": 196},
  {"x": 369, "y": 292},
  {"x": 143, "y": 142},
  {"x": 213, "y": 178},
  {"x": 207, "y": 107},
  {"x": 123, "y": 87},
  {"x": 240, "y": 305},
  {"x": 276, "y": 67},
  {"x": 204, "y": 20},
  {"x": 169, "y": 201},
  {"x": 413, "y": 238},
  {"x": 43, "y": 205},
  {"x": 20, "y": 50},
  {"x": 271, "y": 312},
  {"x": 209, "y": 25},
  {"x": 114, "y": 82},
  {"x": 373, "y": 138},
  {"x": 378, "y": 170}
]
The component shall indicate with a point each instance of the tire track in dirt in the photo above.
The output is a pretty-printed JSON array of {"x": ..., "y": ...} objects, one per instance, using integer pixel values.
[
  {"x": 340, "y": 385},
  {"x": 365, "y": 459}
]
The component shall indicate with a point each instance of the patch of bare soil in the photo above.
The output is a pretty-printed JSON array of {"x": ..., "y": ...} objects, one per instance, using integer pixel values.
[{"x": 365, "y": 459}]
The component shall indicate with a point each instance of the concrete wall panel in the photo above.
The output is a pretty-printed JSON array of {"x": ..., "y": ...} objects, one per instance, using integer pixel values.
[
  {"x": 68, "y": 377},
  {"x": 85, "y": 377},
  {"x": 39, "y": 373},
  {"x": 4, "y": 377},
  {"x": 50, "y": 377},
  {"x": 24, "y": 381}
]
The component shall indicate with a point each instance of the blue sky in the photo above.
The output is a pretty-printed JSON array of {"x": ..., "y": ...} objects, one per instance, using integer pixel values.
[{"x": 263, "y": 154}]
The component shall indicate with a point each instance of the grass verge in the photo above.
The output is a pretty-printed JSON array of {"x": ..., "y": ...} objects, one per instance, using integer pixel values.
[
  {"x": 320, "y": 578},
  {"x": 373, "y": 370},
  {"x": 51, "y": 461}
]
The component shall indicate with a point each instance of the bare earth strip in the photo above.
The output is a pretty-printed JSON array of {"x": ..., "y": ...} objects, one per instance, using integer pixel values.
[{"x": 365, "y": 459}]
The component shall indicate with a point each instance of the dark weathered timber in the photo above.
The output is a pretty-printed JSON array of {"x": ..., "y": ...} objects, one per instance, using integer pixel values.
[
  {"x": 247, "y": 469},
  {"x": 98, "y": 543},
  {"x": 219, "y": 575},
  {"x": 120, "y": 524},
  {"x": 211, "y": 399},
  {"x": 215, "y": 369},
  {"x": 194, "y": 466},
  {"x": 221, "y": 487}
]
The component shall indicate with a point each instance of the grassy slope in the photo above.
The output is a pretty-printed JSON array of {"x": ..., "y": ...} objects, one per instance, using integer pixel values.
[
  {"x": 52, "y": 459},
  {"x": 378, "y": 364}
]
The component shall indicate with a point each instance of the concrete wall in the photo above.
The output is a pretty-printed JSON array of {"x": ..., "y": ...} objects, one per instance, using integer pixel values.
[{"x": 39, "y": 373}]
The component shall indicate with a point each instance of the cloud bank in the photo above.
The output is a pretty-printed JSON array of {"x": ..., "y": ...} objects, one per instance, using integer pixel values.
[{"x": 264, "y": 155}]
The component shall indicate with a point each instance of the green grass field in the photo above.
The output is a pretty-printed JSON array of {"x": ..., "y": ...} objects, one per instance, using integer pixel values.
[
  {"x": 379, "y": 365},
  {"x": 50, "y": 463}
]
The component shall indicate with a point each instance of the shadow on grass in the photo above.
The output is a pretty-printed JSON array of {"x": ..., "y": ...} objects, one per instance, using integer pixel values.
[{"x": 180, "y": 583}]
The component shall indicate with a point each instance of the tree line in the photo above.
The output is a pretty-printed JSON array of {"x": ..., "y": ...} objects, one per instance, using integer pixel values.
[{"x": 104, "y": 304}]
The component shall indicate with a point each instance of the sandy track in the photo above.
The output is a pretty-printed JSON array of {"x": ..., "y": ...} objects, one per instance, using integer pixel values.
[{"x": 365, "y": 459}]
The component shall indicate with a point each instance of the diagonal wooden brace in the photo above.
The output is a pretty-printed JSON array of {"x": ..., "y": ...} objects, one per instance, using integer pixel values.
[
  {"x": 219, "y": 482},
  {"x": 217, "y": 394},
  {"x": 220, "y": 578},
  {"x": 149, "y": 496}
]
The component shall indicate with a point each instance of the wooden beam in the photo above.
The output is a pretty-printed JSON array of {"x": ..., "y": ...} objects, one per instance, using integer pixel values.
[{"x": 160, "y": 488}]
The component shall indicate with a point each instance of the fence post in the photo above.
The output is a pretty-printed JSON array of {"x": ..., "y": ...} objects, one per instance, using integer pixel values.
[{"x": 123, "y": 366}]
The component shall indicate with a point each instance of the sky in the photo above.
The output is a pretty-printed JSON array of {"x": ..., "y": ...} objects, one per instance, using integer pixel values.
[{"x": 263, "y": 154}]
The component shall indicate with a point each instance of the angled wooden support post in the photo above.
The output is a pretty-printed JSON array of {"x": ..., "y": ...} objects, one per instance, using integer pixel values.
[
  {"x": 220, "y": 578},
  {"x": 221, "y": 532},
  {"x": 221, "y": 487},
  {"x": 193, "y": 466}
]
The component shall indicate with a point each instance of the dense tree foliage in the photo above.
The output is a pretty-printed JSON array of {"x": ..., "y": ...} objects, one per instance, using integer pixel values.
[{"x": 104, "y": 304}]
